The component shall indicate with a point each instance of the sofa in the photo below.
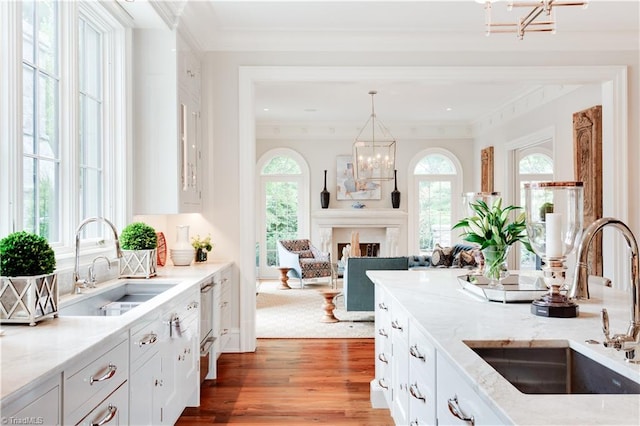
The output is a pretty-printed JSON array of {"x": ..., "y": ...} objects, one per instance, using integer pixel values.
[{"x": 359, "y": 291}]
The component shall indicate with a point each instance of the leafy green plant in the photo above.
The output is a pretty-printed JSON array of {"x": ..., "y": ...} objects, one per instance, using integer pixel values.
[
  {"x": 138, "y": 236},
  {"x": 490, "y": 226},
  {"x": 25, "y": 254},
  {"x": 204, "y": 243}
]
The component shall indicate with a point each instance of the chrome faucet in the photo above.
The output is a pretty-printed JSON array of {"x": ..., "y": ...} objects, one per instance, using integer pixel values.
[
  {"x": 92, "y": 270},
  {"x": 629, "y": 342},
  {"x": 81, "y": 283}
]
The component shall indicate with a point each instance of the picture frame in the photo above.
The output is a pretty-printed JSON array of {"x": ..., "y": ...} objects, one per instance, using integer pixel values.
[{"x": 350, "y": 189}]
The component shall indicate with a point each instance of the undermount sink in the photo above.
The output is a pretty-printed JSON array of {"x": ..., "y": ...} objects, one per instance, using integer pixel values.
[
  {"x": 553, "y": 370},
  {"x": 114, "y": 301}
]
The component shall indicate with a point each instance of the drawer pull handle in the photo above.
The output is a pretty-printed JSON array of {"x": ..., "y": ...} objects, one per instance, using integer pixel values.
[
  {"x": 149, "y": 339},
  {"x": 395, "y": 325},
  {"x": 383, "y": 358},
  {"x": 382, "y": 384},
  {"x": 383, "y": 332},
  {"x": 455, "y": 409},
  {"x": 413, "y": 350},
  {"x": 382, "y": 306},
  {"x": 112, "y": 410},
  {"x": 111, "y": 371},
  {"x": 415, "y": 392},
  {"x": 206, "y": 288}
]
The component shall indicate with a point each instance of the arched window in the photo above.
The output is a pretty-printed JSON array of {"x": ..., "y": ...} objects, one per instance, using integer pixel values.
[
  {"x": 534, "y": 165},
  {"x": 283, "y": 204},
  {"x": 437, "y": 181}
]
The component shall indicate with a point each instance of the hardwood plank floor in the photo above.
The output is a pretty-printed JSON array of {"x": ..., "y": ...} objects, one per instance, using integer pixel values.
[{"x": 293, "y": 382}]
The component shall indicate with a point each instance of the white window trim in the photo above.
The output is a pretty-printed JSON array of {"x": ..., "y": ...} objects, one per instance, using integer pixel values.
[{"x": 413, "y": 245}]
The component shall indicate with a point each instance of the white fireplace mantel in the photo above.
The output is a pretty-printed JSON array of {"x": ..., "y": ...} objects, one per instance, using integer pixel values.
[{"x": 393, "y": 221}]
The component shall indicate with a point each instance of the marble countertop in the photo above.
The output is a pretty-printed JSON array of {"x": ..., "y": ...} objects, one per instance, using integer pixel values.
[
  {"x": 30, "y": 354},
  {"x": 450, "y": 315}
]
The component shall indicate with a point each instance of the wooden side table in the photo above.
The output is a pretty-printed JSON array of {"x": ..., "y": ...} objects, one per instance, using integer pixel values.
[
  {"x": 328, "y": 305},
  {"x": 284, "y": 278}
]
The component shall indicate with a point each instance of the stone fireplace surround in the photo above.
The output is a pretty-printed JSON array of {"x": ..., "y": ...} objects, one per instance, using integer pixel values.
[{"x": 385, "y": 226}]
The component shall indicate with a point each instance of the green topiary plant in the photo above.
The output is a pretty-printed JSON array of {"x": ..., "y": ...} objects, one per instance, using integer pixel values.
[
  {"x": 138, "y": 236},
  {"x": 25, "y": 254}
]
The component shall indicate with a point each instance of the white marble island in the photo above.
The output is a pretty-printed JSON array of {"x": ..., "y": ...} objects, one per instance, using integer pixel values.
[{"x": 448, "y": 316}]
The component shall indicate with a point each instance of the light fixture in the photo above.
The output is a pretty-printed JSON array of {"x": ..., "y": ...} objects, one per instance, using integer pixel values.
[
  {"x": 374, "y": 149},
  {"x": 541, "y": 17}
]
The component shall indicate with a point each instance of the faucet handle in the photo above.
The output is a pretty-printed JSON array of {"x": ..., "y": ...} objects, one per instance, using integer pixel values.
[{"x": 605, "y": 325}]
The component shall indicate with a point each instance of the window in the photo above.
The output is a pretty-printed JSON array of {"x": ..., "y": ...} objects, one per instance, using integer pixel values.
[
  {"x": 64, "y": 64},
  {"x": 283, "y": 189},
  {"x": 437, "y": 182}
]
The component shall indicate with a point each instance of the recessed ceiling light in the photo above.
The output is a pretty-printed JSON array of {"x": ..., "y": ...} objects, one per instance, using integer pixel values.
[
  {"x": 449, "y": 109},
  {"x": 265, "y": 109}
]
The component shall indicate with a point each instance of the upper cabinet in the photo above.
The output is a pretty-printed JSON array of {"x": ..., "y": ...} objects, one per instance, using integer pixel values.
[{"x": 167, "y": 132}]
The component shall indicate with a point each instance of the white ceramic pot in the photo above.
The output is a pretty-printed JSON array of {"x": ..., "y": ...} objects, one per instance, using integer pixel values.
[{"x": 182, "y": 253}]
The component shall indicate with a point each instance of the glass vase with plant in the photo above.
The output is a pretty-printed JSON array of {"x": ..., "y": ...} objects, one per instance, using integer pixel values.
[
  {"x": 493, "y": 230},
  {"x": 202, "y": 246}
]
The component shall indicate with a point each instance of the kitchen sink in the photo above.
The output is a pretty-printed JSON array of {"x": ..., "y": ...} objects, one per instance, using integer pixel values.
[
  {"x": 554, "y": 370},
  {"x": 114, "y": 301}
]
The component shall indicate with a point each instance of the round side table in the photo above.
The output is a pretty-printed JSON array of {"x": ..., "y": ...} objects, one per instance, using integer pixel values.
[
  {"x": 328, "y": 305},
  {"x": 284, "y": 278}
]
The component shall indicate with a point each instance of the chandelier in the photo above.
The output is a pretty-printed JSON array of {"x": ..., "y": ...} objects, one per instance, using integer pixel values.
[
  {"x": 541, "y": 17},
  {"x": 374, "y": 149}
]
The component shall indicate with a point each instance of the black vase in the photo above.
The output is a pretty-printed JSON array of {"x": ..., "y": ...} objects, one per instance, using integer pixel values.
[
  {"x": 324, "y": 195},
  {"x": 395, "y": 194}
]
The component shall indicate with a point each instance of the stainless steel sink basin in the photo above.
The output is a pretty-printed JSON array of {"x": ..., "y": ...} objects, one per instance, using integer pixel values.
[
  {"x": 114, "y": 301},
  {"x": 554, "y": 370}
]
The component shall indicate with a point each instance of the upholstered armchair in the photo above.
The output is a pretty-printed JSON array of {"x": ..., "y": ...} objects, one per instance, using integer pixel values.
[{"x": 305, "y": 260}]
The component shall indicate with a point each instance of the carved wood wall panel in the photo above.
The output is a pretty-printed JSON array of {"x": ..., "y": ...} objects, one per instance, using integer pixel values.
[
  {"x": 587, "y": 147},
  {"x": 487, "y": 169}
]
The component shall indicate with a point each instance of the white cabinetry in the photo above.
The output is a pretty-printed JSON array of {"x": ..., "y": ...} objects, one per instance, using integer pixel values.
[
  {"x": 113, "y": 411},
  {"x": 89, "y": 382},
  {"x": 422, "y": 378},
  {"x": 458, "y": 403},
  {"x": 225, "y": 308},
  {"x": 40, "y": 405},
  {"x": 167, "y": 132},
  {"x": 400, "y": 364},
  {"x": 382, "y": 382}
]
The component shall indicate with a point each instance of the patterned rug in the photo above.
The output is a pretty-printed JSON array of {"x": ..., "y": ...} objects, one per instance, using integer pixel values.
[{"x": 296, "y": 313}]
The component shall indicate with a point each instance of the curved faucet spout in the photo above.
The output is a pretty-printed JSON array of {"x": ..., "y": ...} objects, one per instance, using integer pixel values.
[
  {"x": 76, "y": 274},
  {"x": 580, "y": 289}
]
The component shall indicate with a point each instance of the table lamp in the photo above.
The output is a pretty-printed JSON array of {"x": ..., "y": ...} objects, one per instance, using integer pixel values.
[{"x": 554, "y": 226}]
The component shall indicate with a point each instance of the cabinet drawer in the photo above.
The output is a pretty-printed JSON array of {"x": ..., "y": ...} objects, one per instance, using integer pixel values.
[
  {"x": 113, "y": 411},
  {"x": 145, "y": 339},
  {"x": 399, "y": 323},
  {"x": 96, "y": 379}
]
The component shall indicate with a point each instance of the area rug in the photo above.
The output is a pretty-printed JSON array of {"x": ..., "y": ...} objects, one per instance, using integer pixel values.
[{"x": 296, "y": 313}]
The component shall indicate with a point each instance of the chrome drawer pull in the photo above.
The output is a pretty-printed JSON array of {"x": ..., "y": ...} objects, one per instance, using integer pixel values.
[
  {"x": 382, "y": 306},
  {"x": 455, "y": 409},
  {"x": 111, "y": 413},
  {"x": 413, "y": 390},
  {"x": 383, "y": 358},
  {"x": 206, "y": 288},
  {"x": 383, "y": 332},
  {"x": 382, "y": 384},
  {"x": 395, "y": 325},
  {"x": 111, "y": 371},
  {"x": 149, "y": 339},
  {"x": 413, "y": 350}
]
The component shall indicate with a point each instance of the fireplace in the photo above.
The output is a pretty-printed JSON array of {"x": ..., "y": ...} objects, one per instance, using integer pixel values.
[{"x": 366, "y": 249}]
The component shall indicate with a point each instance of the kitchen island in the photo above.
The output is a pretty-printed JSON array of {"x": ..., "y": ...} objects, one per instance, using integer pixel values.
[
  {"x": 434, "y": 316},
  {"x": 85, "y": 369}
]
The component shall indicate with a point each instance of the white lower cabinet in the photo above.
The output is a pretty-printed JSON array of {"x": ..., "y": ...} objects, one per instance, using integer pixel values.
[
  {"x": 400, "y": 365},
  {"x": 458, "y": 403},
  {"x": 381, "y": 387},
  {"x": 39, "y": 405},
  {"x": 113, "y": 411},
  {"x": 422, "y": 378}
]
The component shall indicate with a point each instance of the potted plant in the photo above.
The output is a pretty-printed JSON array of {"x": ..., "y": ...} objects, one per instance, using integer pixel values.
[
  {"x": 492, "y": 230},
  {"x": 202, "y": 246},
  {"x": 139, "y": 243},
  {"x": 28, "y": 284}
]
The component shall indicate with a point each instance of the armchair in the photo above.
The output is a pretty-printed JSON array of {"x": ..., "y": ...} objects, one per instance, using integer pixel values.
[{"x": 305, "y": 260}]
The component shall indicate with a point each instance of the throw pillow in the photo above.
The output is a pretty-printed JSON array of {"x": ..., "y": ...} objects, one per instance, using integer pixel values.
[{"x": 442, "y": 257}]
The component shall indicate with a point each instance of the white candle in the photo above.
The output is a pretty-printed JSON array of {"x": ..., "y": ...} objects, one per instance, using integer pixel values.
[{"x": 553, "y": 236}]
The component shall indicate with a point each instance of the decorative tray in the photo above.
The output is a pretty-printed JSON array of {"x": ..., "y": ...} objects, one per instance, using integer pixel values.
[{"x": 515, "y": 288}]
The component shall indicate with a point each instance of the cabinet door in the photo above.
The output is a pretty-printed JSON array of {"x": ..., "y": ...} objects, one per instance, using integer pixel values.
[
  {"x": 458, "y": 403},
  {"x": 400, "y": 364},
  {"x": 40, "y": 405},
  {"x": 382, "y": 348},
  {"x": 422, "y": 378},
  {"x": 146, "y": 383},
  {"x": 225, "y": 309}
]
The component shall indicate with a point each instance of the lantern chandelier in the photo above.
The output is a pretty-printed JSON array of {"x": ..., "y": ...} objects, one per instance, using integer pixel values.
[
  {"x": 374, "y": 149},
  {"x": 541, "y": 18}
]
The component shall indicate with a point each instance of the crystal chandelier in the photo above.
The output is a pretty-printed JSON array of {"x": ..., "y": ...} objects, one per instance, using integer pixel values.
[
  {"x": 374, "y": 149},
  {"x": 541, "y": 17}
]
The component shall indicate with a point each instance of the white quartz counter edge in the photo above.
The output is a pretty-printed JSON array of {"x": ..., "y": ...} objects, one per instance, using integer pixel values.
[
  {"x": 449, "y": 316},
  {"x": 33, "y": 354}
]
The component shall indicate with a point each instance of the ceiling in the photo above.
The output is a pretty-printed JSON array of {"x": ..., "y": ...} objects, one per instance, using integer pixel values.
[{"x": 384, "y": 26}]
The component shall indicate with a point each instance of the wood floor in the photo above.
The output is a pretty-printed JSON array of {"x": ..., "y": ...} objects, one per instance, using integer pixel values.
[{"x": 292, "y": 382}]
